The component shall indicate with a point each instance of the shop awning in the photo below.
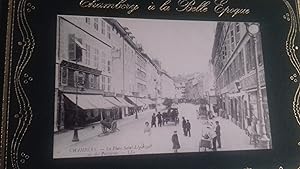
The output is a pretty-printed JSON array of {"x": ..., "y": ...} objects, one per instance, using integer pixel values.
[
  {"x": 136, "y": 101},
  {"x": 148, "y": 101},
  {"x": 114, "y": 101},
  {"x": 140, "y": 101},
  {"x": 90, "y": 101},
  {"x": 122, "y": 100}
]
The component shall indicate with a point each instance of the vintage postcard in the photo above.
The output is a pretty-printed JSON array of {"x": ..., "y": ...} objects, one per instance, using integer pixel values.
[{"x": 157, "y": 84}]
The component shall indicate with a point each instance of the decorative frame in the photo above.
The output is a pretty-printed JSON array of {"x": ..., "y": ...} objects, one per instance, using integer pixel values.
[{"x": 17, "y": 20}]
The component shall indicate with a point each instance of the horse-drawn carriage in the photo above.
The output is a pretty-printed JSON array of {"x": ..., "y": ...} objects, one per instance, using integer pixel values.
[
  {"x": 171, "y": 116},
  {"x": 108, "y": 125}
]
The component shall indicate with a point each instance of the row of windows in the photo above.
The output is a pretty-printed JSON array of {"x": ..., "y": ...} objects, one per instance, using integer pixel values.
[
  {"x": 73, "y": 78},
  {"x": 91, "y": 56},
  {"x": 230, "y": 37},
  {"x": 105, "y": 28},
  {"x": 237, "y": 67}
]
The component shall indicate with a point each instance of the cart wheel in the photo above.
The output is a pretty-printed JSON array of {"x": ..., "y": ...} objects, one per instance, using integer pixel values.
[
  {"x": 114, "y": 126},
  {"x": 104, "y": 129}
]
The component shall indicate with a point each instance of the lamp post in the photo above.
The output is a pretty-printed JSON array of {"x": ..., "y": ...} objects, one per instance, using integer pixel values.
[
  {"x": 78, "y": 55},
  {"x": 75, "y": 133},
  {"x": 253, "y": 29},
  {"x": 155, "y": 95},
  {"x": 136, "y": 111}
]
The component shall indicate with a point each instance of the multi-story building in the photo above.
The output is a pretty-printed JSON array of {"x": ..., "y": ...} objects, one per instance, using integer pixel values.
[
  {"x": 83, "y": 69},
  {"x": 194, "y": 87},
  {"x": 237, "y": 60},
  {"x": 100, "y": 72},
  {"x": 180, "y": 89},
  {"x": 167, "y": 86}
]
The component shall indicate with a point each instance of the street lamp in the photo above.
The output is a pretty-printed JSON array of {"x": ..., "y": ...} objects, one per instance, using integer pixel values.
[
  {"x": 136, "y": 111},
  {"x": 253, "y": 29},
  {"x": 155, "y": 95},
  {"x": 78, "y": 55}
]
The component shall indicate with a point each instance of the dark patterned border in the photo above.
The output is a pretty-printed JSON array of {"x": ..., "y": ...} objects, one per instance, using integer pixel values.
[{"x": 25, "y": 114}]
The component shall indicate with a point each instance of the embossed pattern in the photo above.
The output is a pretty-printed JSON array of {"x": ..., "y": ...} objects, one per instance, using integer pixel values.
[
  {"x": 24, "y": 115},
  {"x": 291, "y": 50}
]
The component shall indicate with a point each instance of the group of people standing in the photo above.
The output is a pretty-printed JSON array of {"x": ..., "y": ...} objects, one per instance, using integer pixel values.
[
  {"x": 211, "y": 136},
  {"x": 159, "y": 120}
]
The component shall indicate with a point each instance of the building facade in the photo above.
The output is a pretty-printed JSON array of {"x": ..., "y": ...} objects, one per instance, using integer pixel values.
[
  {"x": 237, "y": 61},
  {"x": 98, "y": 66}
]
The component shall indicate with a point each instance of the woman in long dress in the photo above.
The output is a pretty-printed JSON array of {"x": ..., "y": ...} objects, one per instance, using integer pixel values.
[
  {"x": 147, "y": 133},
  {"x": 175, "y": 142}
]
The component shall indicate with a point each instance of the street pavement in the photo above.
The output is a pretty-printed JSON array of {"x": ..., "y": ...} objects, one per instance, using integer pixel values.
[{"x": 131, "y": 140}]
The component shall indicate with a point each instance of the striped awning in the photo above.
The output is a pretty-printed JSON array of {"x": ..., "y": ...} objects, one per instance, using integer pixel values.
[
  {"x": 90, "y": 101},
  {"x": 122, "y": 100}
]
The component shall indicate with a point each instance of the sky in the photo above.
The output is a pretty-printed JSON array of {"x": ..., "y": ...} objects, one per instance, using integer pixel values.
[{"x": 183, "y": 47}]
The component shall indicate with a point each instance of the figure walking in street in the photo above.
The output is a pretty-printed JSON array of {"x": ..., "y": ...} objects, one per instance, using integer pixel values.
[
  {"x": 153, "y": 120},
  {"x": 188, "y": 128},
  {"x": 147, "y": 129},
  {"x": 159, "y": 119},
  {"x": 214, "y": 138},
  {"x": 218, "y": 133},
  {"x": 175, "y": 142},
  {"x": 184, "y": 126},
  {"x": 147, "y": 134}
]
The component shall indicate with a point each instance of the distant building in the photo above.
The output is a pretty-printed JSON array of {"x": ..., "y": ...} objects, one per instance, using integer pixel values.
[
  {"x": 194, "y": 87},
  {"x": 168, "y": 86}
]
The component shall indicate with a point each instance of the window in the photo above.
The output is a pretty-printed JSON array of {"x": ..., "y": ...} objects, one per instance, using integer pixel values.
[
  {"x": 96, "y": 57},
  {"x": 242, "y": 69},
  {"x": 103, "y": 27},
  {"x": 232, "y": 40},
  {"x": 92, "y": 81},
  {"x": 80, "y": 79},
  {"x": 259, "y": 49},
  {"x": 88, "y": 54},
  {"x": 86, "y": 80},
  {"x": 88, "y": 20},
  {"x": 71, "y": 77},
  {"x": 103, "y": 61},
  {"x": 108, "y": 32},
  {"x": 103, "y": 83},
  {"x": 108, "y": 66},
  {"x": 64, "y": 75},
  {"x": 237, "y": 33},
  {"x": 108, "y": 84},
  {"x": 72, "y": 47},
  {"x": 96, "y": 23},
  {"x": 96, "y": 82},
  {"x": 237, "y": 27},
  {"x": 249, "y": 51}
]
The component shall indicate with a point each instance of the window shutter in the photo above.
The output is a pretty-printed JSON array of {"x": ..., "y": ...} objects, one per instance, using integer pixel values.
[{"x": 72, "y": 47}]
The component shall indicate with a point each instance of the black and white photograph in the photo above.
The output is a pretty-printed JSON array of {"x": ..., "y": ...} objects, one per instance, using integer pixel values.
[{"x": 152, "y": 86}]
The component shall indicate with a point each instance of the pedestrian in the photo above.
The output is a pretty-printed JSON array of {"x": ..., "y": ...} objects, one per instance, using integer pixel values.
[
  {"x": 184, "y": 126},
  {"x": 159, "y": 119},
  {"x": 153, "y": 120},
  {"x": 206, "y": 139},
  {"x": 213, "y": 135},
  {"x": 218, "y": 133},
  {"x": 188, "y": 128},
  {"x": 175, "y": 142},
  {"x": 147, "y": 129},
  {"x": 147, "y": 134}
]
